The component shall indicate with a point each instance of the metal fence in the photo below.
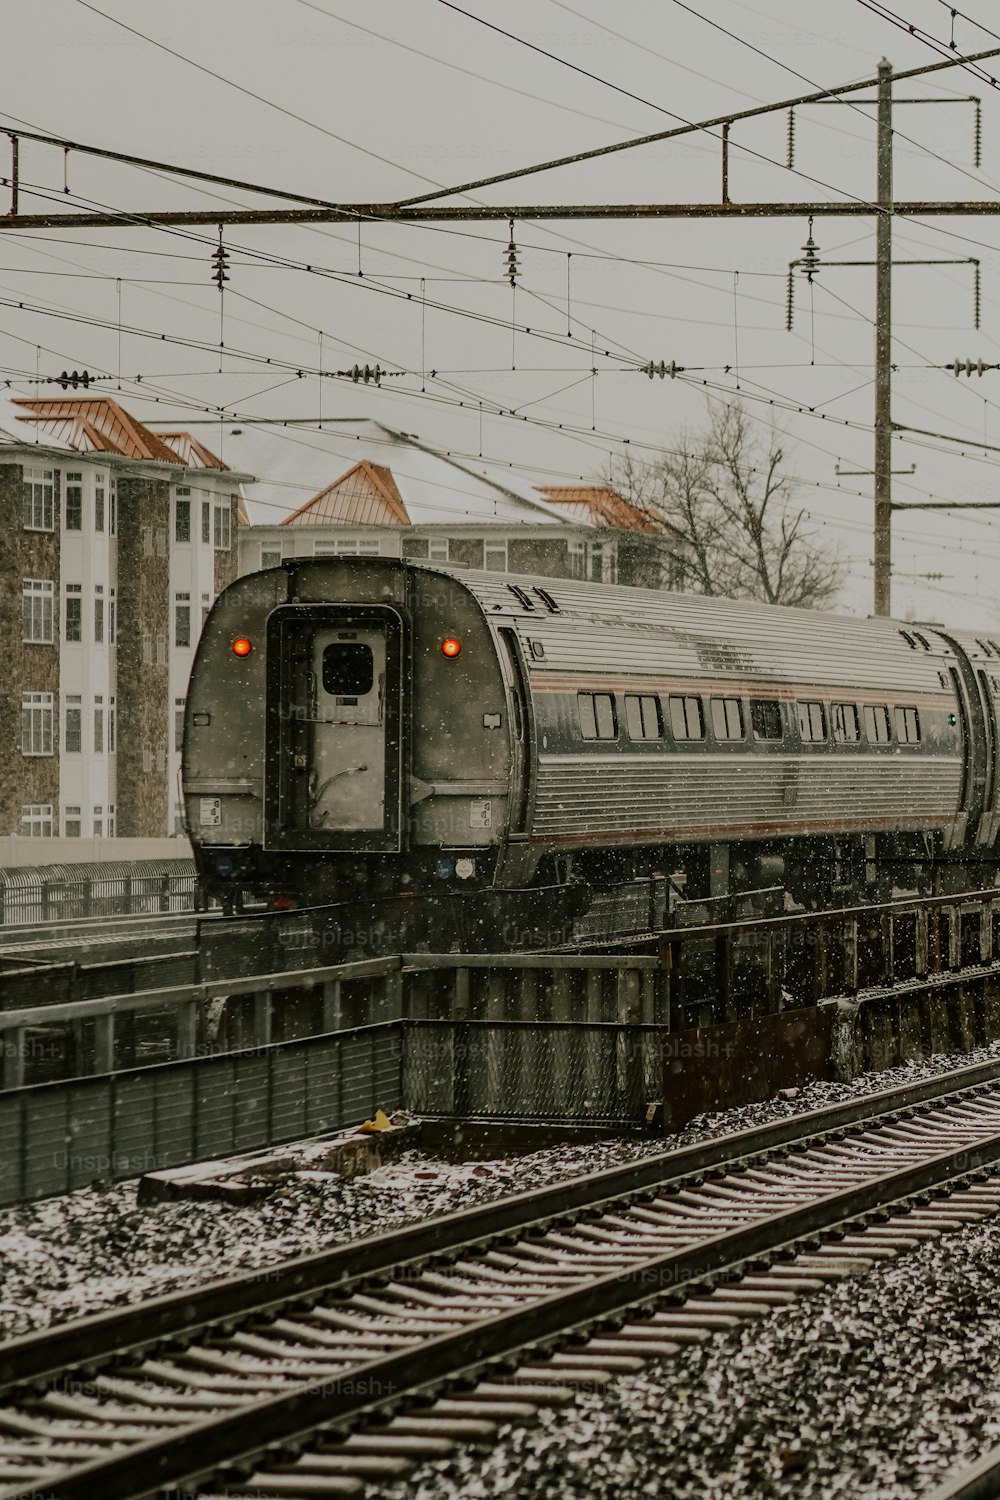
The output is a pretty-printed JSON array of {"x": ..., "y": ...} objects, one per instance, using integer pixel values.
[
  {"x": 50, "y": 893},
  {"x": 598, "y": 1073},
  {"x": 61, "y": 1136}
]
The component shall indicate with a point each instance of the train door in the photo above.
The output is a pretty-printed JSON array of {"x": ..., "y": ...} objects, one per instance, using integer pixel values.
[
  {"x": 520, "y": 764},
  {"x": 334, "y": 744}
]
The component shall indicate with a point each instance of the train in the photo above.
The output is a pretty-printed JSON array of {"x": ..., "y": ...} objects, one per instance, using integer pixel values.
[{"x": 482, "y": 753}]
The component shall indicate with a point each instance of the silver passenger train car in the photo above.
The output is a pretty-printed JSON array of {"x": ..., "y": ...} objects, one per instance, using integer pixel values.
[{"x": 357, "y": 729}]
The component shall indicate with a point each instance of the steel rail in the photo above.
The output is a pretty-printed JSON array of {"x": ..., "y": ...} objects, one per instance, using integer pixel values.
[
  {"x": 193, "y": 1454},
  {"x": 88, "y": 1343},
  {"x": 978, "y": 1481}
]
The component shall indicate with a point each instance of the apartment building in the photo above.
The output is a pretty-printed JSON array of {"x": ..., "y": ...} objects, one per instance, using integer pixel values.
[{"x": 118, "y": 541}]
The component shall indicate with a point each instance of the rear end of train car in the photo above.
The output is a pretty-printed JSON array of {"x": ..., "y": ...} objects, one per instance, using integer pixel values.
[{"x": 350, "y": 735}]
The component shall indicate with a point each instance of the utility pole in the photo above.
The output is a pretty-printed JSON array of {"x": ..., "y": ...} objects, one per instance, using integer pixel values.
[{"x": 883, "y": 345}]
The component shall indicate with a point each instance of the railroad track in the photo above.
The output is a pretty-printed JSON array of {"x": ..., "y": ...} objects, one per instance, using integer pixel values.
[{"x": 341, "y": 1369}]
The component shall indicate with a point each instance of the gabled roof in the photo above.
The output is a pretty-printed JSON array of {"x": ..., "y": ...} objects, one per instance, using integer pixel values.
[
  {"x": 192, "y": 453},
  {"x": 416, "y": 486},
  {"x": 367, "y": 495},
  {"x": 603, "y": 506},
  {"x": 97, "y": 424}
]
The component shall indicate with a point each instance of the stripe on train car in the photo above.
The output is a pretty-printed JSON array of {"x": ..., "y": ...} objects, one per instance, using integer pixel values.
[
  {"x": 543, "y": 682},
  {"x": 727, "y": 833}
]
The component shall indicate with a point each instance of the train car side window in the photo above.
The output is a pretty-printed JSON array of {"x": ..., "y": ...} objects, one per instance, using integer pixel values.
[
  {"x": 812, "y": 721},
  {"x": 765, "y": 719},
  {"x": 642, "y": 717},
  {"x": 687, "y": 719},
  {"x": 907, "y": 726},
  {"x": 846, "y": 730},
  {"x": 727, "y": 718},
  {"x": 877, "y": 724},
  {"x": 597, "y": 716}
]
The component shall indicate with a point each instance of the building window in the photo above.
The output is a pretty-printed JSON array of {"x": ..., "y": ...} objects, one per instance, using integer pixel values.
[
  {"x": 71, "y": 822},
  {"x": 99, "y": 724},
  {"x": 98, "y": 820},
  {"x": 223, "y": 527},
  {"x": 73, "y": 724},
  {"x": 178, "y": 723},
  {"x": 687, "y": 719},
  {"x": 577, "y": 552},
  {"x": 206, "y": 608},
  {"x": 437, "y": 549},
  {"x": 161, "y": 651},
  {"x": 111, "y": 821},
  {"x": 37, "y": 611},
  {"x": 765, "y": 719},
  {"x": 597, "y": 716},
  {"x": 182, "y": 517},
  {"x": 99, "y": 503},
  {"x": 642, "y": 716},
  {"x": 877, "y": 724},
  {"x": 147, "y": 541},
  {"x": 812, "y": 722},
  {"x": 112, "y": 619},
  {"x": 112, "y": 727},
  {"x": 113, "y": 505},
  {"x": 74, "y": 612},
  {"x": 36, "y": 723},
  {"x": 182, "y": 620},
  {"x": 37, "y": 502},
  {"x": 907, "y": 726},
  {"x": 74, "y": 501},
  {"x": 206, "y": 522},
  {"x": 99, "y": 613},
  {"x": 270, "y": 557},
  {"x": 727, "y": 718},
  {"x": 147, "y": 757},
  {"x": 160, "y": 541},
  {"x": 36, "y": 820},
  {"x": 495, "y": 557},
  {"x": 846, "y": 730}
]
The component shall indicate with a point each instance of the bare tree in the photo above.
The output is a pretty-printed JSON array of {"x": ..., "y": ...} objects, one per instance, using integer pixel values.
[{"x": 732, "y": 505}]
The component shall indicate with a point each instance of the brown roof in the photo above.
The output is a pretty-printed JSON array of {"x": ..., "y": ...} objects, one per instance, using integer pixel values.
[
  {"x": 95, "y": 424},
  {"x": 367, "y": 495},
  {"x": 192, "y": 453},
  {"x": 603, "y": 506}
]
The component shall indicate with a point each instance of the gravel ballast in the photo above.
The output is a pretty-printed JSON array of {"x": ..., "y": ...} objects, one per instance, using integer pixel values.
[
  {"x": 870, "y": 1390},
  {"x": 64, "y": 1257}
]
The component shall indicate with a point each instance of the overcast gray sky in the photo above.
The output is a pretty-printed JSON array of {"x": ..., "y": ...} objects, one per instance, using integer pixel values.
[{"x": 398, "y": 97}]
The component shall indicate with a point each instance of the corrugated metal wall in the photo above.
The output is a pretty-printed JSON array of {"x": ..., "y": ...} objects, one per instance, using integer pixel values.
[{"x": 61, "y": 1136}]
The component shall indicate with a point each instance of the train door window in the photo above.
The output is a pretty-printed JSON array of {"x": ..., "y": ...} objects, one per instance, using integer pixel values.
[
  {"x": 597, "y": 716},
  {"x": 348, "y": 669},
  {"x": 727, "y": 718},
  {"x": 877, "y": 724},
  {"x": 907, "y": 726},
  {"x": 642, "y": 717},
  {"x": 922, "y": 639},
  {"x": 765, "y": 719},
  {"x": 812, "y": 721},
  {"x": 846, "y": 730},
  {"x": 687, "y": 719}
]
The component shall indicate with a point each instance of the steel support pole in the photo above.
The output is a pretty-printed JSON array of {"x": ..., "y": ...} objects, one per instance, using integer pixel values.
[{"x": 883, "y": 347}]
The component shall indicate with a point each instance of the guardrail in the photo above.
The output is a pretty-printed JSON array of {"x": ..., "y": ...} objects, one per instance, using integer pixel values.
[{"x": 48, "y": 893}]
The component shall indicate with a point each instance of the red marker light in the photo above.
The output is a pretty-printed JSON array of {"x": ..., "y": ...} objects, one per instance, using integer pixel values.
[
  {"x": 241, "y": 646},
  {"x": 451, "y": 647}
]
